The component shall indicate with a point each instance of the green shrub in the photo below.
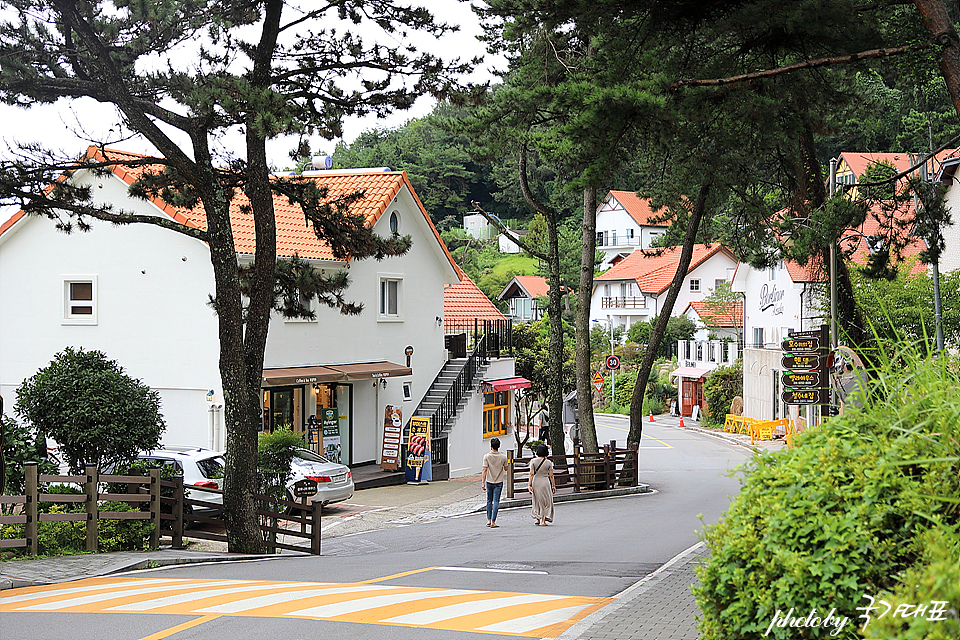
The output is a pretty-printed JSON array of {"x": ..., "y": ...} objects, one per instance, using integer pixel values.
[
  {"x": 722, "y": 385},
  {"x": 64, "y": 538},
  {"x": 841, "y": 515}
]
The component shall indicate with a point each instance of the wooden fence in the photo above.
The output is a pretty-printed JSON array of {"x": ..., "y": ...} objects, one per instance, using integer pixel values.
[
  {"x": 609, "y": 468},
  {"x": 167, "y": 505}
]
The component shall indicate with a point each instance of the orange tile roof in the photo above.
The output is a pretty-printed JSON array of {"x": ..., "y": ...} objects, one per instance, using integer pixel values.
[
  {"x": 731, "y": 319},
  {"x": 814, "y": 272},
  {"x": 536, "y": 286},
  {"x": 639, "y": 208},
  {"x": 465, "y": 301},
  {"x": 294, "y": 235},
  {"x": 652, "y": 273},
  {"x": 858, "y": 161}
]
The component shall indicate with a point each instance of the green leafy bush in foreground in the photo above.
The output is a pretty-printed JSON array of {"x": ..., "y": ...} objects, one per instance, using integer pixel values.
[{"x": 866, "y": 504}]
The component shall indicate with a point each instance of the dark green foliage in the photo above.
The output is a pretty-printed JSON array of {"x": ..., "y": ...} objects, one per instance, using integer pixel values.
[
  {"x": 678, "y": 328},
  {"x": 275, "y": 452},
  {"x": 656, "y": 399},
  {"x": 531, "y": 350},
  {"x": 844, "y": 513},
  {"x": 96, "y": 413},
  {"x": 722, "y": 385},
  {"x": 20, "y": 446}
]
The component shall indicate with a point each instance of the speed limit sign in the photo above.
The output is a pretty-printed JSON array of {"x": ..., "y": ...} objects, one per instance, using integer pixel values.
[{"x": 613, "y": 363}]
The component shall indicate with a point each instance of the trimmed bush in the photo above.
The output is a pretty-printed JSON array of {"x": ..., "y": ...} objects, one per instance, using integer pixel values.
[
  {"x": 723, "y": 384},
  {"x": 845, "y": 513}
]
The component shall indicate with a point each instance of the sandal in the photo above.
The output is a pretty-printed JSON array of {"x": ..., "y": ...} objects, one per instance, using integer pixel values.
[{"x": 494, "y": 526}]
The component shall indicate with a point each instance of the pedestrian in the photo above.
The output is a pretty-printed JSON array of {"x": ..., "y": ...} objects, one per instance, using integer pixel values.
[
  {"x": 491, "y": 479},
  {"x": 542, "y": 485},
  {"x": 544, "y": 417}
]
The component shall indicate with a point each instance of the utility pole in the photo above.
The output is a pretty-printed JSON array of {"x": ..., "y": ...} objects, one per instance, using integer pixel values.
[{"x": 833, "y": 264}]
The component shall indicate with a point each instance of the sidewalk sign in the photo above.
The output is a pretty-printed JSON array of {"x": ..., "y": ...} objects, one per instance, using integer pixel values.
[
  {"x": 392, "y": 437},
  {"x": 330, "y": 423},
  {"x": 419, "y": 469}
]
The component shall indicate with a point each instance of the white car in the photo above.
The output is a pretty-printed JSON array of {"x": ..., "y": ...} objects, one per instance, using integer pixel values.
[
  {"x": 201, "y": 469},
  {"x": 334, "y": 481}
]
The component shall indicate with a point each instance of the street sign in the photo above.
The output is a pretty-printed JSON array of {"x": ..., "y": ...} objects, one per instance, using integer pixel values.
[
  {"x": 304, "y": 488},
  {"x": 801, "y": 345},
  {"x": 806, "y": 396},
  {"x": 800, "y": 380},
  {"x": 802, "y": 362},
  {"x": 598, "y": 381},
  {"x": 613, "y": 362}
]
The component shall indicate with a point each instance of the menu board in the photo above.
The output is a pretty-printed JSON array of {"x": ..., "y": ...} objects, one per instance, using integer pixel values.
[
  {"x": 330, "y": 423},
  {"x": 392, "y": 437}
]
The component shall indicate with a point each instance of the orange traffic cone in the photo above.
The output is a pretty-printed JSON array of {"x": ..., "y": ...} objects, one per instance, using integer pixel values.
[
  {"x": 651, "y": 416},
  {"x": 681, "y": 421}
]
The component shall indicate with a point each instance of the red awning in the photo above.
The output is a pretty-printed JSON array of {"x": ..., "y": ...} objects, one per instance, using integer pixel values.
[{"x": 508, "y": 384}]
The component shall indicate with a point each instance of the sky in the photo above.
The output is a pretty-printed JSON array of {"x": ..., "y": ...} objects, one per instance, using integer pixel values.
[{"x": 70, "y": 125}]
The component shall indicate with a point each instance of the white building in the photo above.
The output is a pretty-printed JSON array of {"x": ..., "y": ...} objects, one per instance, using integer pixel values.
[
  {"x": 625, "y": 223},
  {"x": 633, "y": 290},
  {"x": 521, "y": 295},
  {"x": 139, "y": 293}
]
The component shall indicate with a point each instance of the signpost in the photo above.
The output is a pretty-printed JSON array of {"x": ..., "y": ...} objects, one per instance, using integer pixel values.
[{"x": 807, "y": 373}]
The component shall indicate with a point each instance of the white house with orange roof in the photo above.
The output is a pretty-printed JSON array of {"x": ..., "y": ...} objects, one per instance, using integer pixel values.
[
  {"x": 521, "y": 295},
  {"x": 633, "y": 290},
  {"x": 139, "y": 293},
  {"x": 791, "y": 297},
  {"x": 625, "y": 223}
]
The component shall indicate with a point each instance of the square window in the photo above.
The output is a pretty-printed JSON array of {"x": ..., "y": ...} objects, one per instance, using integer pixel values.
[
  {"x": 694, "y": 285},
  {"x": 80, "y": 300}
]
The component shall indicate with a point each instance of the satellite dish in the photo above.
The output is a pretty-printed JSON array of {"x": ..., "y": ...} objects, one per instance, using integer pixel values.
[{"x": 322, "y": 162}]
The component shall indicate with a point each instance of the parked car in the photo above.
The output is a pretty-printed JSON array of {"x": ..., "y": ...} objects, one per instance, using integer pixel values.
[
  {"x": 201, "y": 469},
  {"x": 334, "y": 481}
]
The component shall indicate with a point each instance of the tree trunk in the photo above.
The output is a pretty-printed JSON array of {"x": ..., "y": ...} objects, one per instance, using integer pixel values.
[
  {"x": 555, "y": 371},
  {"x": 659, "y": 328},
  {"x": 937, "y": 20},
  {"x": 588, "y": 430}
]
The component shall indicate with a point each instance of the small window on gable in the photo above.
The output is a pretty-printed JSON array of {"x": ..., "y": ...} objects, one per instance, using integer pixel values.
[
  {"x": 694, "y": 284},
  {"x": 80, "y": 300},
  {"x": 394, "y": 222}
]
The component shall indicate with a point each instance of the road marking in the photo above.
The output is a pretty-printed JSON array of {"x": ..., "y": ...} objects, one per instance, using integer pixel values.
[
  {"x": 475, "y": 611},
  {"x": 399, "y": 575},
  {"x": 189, "y": 624},
  {"x": 540, "y": 573}
]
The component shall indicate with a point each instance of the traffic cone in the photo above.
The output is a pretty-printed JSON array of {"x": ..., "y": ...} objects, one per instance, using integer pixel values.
[
  {"x": 651, "y": 416},
  {"x": 681, "y": 420}
]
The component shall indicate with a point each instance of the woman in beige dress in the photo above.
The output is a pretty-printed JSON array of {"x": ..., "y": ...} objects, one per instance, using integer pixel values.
[{"x": 542, "y": 486}]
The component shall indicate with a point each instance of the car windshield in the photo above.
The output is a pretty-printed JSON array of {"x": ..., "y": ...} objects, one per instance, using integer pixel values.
[
  {"x": 211, "y": 467},
  {"x": 310, "y": 456}
]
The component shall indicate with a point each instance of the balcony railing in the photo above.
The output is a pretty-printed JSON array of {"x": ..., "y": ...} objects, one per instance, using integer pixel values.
[
  {"x": 619, "y": 241},
  {"x": 624, "y": 303}
]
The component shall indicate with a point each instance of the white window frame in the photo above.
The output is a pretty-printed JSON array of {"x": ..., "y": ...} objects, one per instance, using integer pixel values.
[
  {"x": 383, "y": 310},
  {"x": 695, "y": 285},
  {"x": 70, "y": 318}
]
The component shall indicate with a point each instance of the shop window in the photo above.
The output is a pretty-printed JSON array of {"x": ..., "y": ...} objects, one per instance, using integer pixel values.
[
  {"x": 80, "y": 300},
  {"x": 496, "y": 413}
]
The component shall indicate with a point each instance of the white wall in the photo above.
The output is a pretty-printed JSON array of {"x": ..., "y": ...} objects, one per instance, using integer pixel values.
[
  {"x": 152, "y": 313},
  {"x": 466, "y": 444},
  {"x": 950, "y": 260}
]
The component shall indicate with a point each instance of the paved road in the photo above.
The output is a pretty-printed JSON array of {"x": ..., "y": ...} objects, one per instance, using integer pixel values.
[{"x": 419, "y": 581}]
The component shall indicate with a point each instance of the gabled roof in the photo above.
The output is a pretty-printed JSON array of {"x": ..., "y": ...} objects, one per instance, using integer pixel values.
[
  {"x": 525, "y": 287},
  {"x": 294, "y": 235},
  {"x": 465, "y": 301},
  {"x": 638, "y": 208},
  {"x": 858, "y": 161},
  {"x": 729, "y": 319},
  {"x": 653, "y": 273}
]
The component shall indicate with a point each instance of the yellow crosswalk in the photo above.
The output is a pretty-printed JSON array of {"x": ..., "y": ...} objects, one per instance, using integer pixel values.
[{"x": 507, "y": 613}]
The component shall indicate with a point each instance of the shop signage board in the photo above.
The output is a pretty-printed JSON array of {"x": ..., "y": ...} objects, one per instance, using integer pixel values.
[
  {"x": 598, "y": 381},
  {"x": 392, "y": 437},
  {"x": 806, "y": 396},
  {"x": 800, "y": 379},
  {"x": 807, "y": 362},
  {"x": 304, "y": 488},
  {"x": 330, "y": 424},
  {"x": 419, "y": 469},
  {"x": 801, "y": 345}
]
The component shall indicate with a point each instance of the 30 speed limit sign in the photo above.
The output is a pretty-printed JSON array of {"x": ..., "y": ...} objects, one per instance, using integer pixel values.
[{"x": 613, "y": 363}]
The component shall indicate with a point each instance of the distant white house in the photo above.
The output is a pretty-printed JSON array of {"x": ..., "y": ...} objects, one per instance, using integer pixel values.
[
  {"x": 625, "y": 223},
  {"x": 521, "y": 295},
  {"x": 633, "y": 290},
  {"x": 139, "y": 293}
]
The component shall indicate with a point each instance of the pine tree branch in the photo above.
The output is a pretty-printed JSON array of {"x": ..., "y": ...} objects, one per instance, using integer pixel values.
[{"x": 799, "y": 66}]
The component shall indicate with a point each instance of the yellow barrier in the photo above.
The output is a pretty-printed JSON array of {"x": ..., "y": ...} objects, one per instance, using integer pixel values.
[{"x": 767, "y": 429}]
